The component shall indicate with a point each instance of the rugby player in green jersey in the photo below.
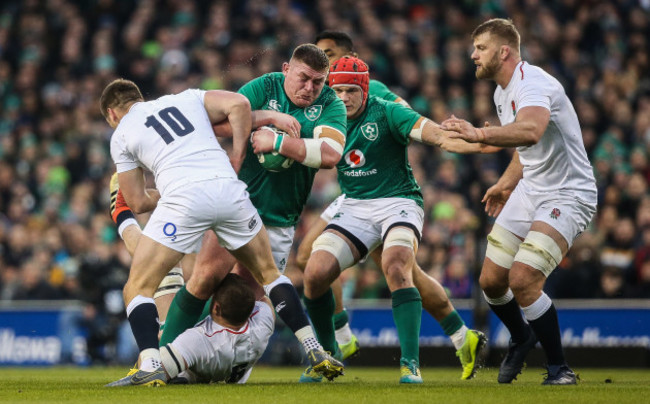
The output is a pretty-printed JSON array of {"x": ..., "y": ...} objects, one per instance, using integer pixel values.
[
  {"x": 383, "y": 205},
  {"x": 297, "y": 102},
  {"x": 435, "y": 301}
]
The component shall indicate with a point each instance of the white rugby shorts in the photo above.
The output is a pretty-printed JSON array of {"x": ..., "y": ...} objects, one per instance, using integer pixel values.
[
  {"x": 332, "y": 208},
  {"x": 367, "y": 221},
  {"x": 567, "y": 214},
  {"x": 220, "y": 204},
  {"x": 281, "y": 239}
]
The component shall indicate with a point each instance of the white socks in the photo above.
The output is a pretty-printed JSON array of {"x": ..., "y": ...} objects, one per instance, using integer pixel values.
[
  {"x": 150, "y": 359},
  {"x": 343, "y": 334},
  {"x": 307, "y": 338},
  {"x": 458, "y": 338}
]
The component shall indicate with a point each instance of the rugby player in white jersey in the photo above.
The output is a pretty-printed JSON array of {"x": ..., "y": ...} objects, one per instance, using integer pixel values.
[
  {"x": 225, "y": 345},
  {"x": 197, "y": 190},
  {"x": 543, "y": 201}
]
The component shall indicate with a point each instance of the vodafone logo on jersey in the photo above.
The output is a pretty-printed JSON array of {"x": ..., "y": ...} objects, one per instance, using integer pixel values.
[{"x": 355, "y": 158}]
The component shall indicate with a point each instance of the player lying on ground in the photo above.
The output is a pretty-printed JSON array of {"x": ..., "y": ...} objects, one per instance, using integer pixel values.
[
  {"x": 197, "y": 190},
  {"x": 225, "y": 345},
  {"x": 296, "y": 101}
]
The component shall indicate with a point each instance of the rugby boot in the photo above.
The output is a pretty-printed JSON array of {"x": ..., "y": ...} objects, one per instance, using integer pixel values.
[
  {"x": 155, "y": 378},
  {"x": 513, "y": 363},
  {"x": 468, "y": 353},
  {"x": 310, "y": 376},
  {"x": 323, "y": 363},
  {"x": 350, "y": 349},
  {"x": 409, "y": 372},
  {"x": 560, "y": 375}
]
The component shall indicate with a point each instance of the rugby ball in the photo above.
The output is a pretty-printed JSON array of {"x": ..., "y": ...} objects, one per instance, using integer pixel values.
[{"x": 274, "y": 161}]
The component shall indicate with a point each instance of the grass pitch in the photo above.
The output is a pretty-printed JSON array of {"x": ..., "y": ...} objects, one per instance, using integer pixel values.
[{"x": 359, "y": 385}]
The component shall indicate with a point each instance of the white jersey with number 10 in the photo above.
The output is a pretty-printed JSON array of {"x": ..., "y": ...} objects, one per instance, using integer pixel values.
[{"x": 173, "y": 138}]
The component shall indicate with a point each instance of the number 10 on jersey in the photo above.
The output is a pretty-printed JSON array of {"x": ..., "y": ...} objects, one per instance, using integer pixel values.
[{"x": 176, "y": 121}]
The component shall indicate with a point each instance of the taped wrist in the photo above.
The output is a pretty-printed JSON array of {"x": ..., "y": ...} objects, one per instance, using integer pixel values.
[
  {"x": 312, "y": 153},
  {"x": 172, "y": 361},
  {"x": 277, "y": 144}
]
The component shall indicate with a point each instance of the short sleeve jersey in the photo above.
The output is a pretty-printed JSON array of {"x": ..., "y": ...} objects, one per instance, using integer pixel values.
[
  {"x": 379, "y": 90},
  {"x": 375, "y": 160},
  {"x": 558, "y": 162},
  {"x": 218, "y": 354},
  {"x": 280, "y": 196},
  {"x": 173, "y": 138}
]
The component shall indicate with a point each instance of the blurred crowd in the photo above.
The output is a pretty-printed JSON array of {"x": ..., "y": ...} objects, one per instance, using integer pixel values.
[{"x": 58, "y": 241}]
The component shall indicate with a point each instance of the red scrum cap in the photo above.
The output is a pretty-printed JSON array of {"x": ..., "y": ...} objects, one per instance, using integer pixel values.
[{"x": 350, "y": 71}]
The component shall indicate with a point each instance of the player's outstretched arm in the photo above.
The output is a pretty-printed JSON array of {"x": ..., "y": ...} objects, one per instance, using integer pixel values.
[
  {"x": 429, "y": 132},
  {"x": 526, "y": 130},
  {"x": 236, "y": 108}
]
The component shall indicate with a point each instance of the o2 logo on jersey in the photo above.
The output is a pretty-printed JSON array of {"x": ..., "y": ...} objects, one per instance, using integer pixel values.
[
  {"x": 313, "y": 112},
  {"x": 169, "y": 229},
  {"x": 370, "y": 131},
  {"x": 355, "y": 158}
]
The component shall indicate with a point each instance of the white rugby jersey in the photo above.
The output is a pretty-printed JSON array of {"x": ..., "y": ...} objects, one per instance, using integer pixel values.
[
  {"x": 173, "y": 138},
  {"x": 558, "y": 162},
  {"x": 219, "y": 354}
]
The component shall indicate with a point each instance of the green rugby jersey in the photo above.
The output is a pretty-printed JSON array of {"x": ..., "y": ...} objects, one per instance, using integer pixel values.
[
  {"x": 380, "y": 90},
  {"x": 280, "y": 197},
  {"x": 375, "y": 160}
]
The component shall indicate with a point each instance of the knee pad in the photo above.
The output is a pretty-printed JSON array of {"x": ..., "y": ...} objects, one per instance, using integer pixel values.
[
  {"x": 502, "y": 246},
  {"x": 336, "y": 246},
  {"x": 171, "y": 283},
  {"x": 540, "y": 252},
  {"x": 401, "y": 236}
]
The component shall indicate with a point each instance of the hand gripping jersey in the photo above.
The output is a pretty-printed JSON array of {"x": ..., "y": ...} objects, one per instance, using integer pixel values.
[
  {"x": 173, "y": 138},
  {"x": 558, "y": 162},
  {"x": 280, "y": 197},
  {"x": 375, "y": 160},
  {"x": 217, "y": 354}
]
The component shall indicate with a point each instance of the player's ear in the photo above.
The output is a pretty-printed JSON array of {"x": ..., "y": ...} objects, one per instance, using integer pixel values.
[
  {"x": 111, "y": 117},
  {"x": 216, "y": 310},
  {"x": 504, "y": 52},
  {"x": 285, "y": 68}
]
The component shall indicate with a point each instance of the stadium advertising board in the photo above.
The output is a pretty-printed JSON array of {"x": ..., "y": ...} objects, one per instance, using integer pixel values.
[
  {"x": 588, "y": 323},
  {"x": 601, "y": 325},
  {"x": 41, "y": 336}
]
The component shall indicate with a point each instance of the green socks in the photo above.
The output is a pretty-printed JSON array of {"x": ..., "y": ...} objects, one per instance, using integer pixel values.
[
  {"x": 183, "y": 313},
  {"x": 407, "y": 313},
  {"x": 451, "y": 323},
  {"x": 321, "y": 310},
  {"x": 341, "y": 319}
]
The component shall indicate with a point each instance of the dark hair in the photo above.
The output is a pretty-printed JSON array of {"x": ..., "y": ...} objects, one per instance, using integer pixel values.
[
  {"x": 312, "y": 56},
  {"x": 235, "y": 298},
  {"x": 119, "y": 93},
  {"x": 340, "y": 38},
  {"x": 502, "y": 28}
]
